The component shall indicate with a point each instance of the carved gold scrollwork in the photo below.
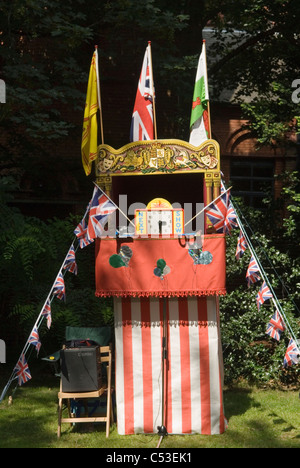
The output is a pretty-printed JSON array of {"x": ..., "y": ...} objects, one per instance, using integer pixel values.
[
  {"x": 159, "y": 156},
  {"x": 108, "y": 162}
]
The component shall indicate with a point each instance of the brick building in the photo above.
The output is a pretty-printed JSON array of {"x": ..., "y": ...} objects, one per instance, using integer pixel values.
[
  {"x": 66, "y": 188},
  {"x": 249, "y": 170}
]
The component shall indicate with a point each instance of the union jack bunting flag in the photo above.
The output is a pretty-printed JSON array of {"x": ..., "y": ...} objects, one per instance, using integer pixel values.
[
  {"x": 100, "y": 209},
  {"x": 142, "y": 118},
  {"x": 82, "y": 235},
  {"x": 292, "y": 354},
  {"x": 47, "y": 313},
  {"x": 217, "y": 212},
  {"x": 275, "y": 326},
  {"x": 252, "y": 273},
  {"x": 35, "y": 340},
  {"x": 221, "y": 214},
  {"x": 70, "y": 263},
  {"x": 263, "y": 295},
  {"x": 241, "y": 246},
  {"x": 22, "y": 371},
  {"x": 59, "y": 289},
  {"x": 230, "y": 220}
]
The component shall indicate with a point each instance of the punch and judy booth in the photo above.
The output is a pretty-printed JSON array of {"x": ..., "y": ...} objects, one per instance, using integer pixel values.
[{"x": 165, "y": 274}]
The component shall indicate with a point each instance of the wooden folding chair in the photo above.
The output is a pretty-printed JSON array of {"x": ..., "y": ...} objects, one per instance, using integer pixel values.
[{"x": 106, "y": 357}]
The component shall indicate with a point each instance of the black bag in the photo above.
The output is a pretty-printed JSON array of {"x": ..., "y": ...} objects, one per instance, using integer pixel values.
[{"x": 80, "y": 344}]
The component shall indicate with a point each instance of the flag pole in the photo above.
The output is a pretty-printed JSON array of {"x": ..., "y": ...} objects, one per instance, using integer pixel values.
[
  {"x": 162, "y": 430},
  {"x": 99, "y": 95},
  {"x": 153, "y": 91},
  {"x": 208, "y": 103}
]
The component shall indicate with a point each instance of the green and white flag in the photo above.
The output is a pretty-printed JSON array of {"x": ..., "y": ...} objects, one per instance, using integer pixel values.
[{"x": 199, "y": 125}]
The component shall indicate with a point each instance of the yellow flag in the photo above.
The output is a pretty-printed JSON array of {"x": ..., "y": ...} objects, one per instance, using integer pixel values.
[{"x": 89, "y": 141}]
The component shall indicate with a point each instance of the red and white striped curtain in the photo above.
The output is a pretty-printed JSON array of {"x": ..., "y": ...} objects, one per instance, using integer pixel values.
[{"x": 194, "y": 369}]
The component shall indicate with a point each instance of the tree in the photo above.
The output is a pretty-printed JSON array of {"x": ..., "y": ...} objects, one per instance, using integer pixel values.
[
  {"x": 31, "y": 255},
  {"x": 46, "y": 48},
  {"x": 259, "y": 60},
  {"x": 248, "y": 352}
]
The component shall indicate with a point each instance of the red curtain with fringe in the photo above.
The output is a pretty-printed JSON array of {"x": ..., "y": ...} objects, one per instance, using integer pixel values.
[{"x": 189, "y": 273}]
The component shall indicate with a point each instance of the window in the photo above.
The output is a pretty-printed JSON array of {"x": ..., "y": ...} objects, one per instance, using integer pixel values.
[{"x": 252, "y": 180}]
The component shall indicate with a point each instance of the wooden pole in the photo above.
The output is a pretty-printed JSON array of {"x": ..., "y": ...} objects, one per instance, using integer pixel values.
[
  {"x": 99, "y": 95},
  {"x": 206, "y": 186},
  {"x": 206, "y": 79},
  {"x": 153, "y": 91}
]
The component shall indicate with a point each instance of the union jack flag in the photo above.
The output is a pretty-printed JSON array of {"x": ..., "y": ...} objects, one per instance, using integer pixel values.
[
  {"x": 230, "y": 219},
  {"x": 101, "y": 207},
  {"x": 221, "y": 214},
  {"x": 70, "y": 263},
  {"x": 217, "y": 212},
  {"x": 142, "y": 117},
  {"x": 292, "y": 354},
  {"x": 22, "y": 371},
  {"x": 47, "y": 313},
  {"x": 59, "y": 289},
  {"x": 252, "y": 273},
  {"x": 263, "y": 295},
  {"x": 241, "y": 246},
  {"x": 275, "y": 326},
  {"x": 35, "y": 339},
  {"x": 81, "y": 233}
]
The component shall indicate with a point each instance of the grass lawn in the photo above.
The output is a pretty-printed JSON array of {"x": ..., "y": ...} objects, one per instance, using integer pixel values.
[{"x": 256, "y": 419}]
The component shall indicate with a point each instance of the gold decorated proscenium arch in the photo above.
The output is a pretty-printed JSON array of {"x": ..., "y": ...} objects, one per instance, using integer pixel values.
[{"x": 158, "y": 157}]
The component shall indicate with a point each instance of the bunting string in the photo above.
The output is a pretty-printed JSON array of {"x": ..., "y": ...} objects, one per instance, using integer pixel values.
[
  {"x": 254, "y": 271},
  {"x": 283, "y": 285},
  {"x": 99, "y": 208},
  {"x": 223, "y": 216},
  {"x": 265, "y": 278}
]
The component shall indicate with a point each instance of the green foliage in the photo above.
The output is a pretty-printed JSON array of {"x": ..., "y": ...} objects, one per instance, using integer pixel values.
[
  {"x": 256, "y": 58},
  {"x": 46, "y": 49},
  {"x": 35, "y": 36},
  {"x": 291, "y": 194},
  {"x": 32, "y": 251},
  {"x": 248, "y": 352},
  {"x": 31, "y": 254}
]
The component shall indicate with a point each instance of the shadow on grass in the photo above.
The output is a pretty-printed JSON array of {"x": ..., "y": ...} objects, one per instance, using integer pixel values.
[
  {"x": 237, "y": 401},
  {"x": 256, "y": 419}
]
